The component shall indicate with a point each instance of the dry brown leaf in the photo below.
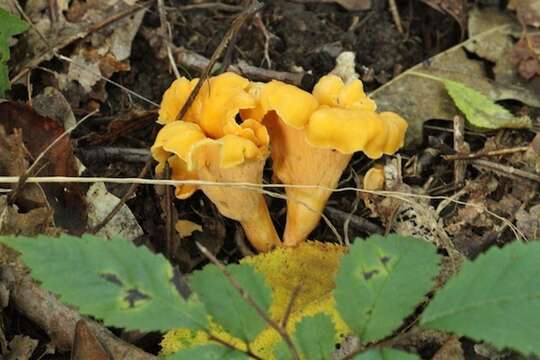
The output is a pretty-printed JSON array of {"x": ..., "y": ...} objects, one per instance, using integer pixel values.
[
  {"x": 528, "y": 11},
  {"x": 67, "y": 200},
  {"x": 86, "y": 346},
  {"x": 419, "y": 99},
  {"x": 528, "y": 222},
  {"x": 526, "y": 55},
  {"x": 100, "y": 49},
  {"x": 185, "y": 228},
  {"x": 21, "y": 348}
]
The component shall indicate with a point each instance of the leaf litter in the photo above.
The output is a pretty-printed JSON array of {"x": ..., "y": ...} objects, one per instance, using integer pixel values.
[{"x": 99, "y": 37}]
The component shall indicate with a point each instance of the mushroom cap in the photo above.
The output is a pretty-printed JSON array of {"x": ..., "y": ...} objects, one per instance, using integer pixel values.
[
  {"x": 330, "y": 90},
  {"x": 219, "y": 100},
  {"x": 349, "y": 130},
  {"x": 185, "y": 140},
  {"x": 293, "y": 105},
  {"x": 174, "y": 98}
]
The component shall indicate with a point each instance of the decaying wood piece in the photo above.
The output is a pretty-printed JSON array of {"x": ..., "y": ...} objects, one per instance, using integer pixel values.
[{"x": 58, "y": 320}]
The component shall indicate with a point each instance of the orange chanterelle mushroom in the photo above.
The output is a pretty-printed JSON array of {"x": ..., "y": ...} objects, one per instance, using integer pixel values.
[
  {"x": 210, "y": 145},
  {"x": 313, "y": 137}
]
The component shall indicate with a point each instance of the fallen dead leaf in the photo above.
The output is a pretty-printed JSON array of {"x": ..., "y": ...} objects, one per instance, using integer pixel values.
[
  {"x": 528, "y": 11},
  {"x": 100, "y": 204},
  {"x": 528, "y": 222},
  {"x": 526, "y": 55},
  {"x": 85, "y": 344},
  {"x": 67, "y": 200},
  {"x": 185, "y": 228},
  {"x": 419, "y": 99},
  {"x": 21, "y": 348}
]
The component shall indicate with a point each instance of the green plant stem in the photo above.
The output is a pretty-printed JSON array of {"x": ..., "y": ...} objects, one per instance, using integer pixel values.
[
  {"x": 248, "y": 352},
  {"x": 248, "y": 299}
]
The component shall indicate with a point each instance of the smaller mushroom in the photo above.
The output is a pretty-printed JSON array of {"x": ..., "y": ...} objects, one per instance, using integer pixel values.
[
  {"x": 233, "y": 158},
  {"x": 313, "y": 138},
  {"x": 211, "y": 146}
]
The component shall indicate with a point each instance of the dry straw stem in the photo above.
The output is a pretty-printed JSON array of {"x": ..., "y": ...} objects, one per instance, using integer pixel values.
[{"x": 405, "y": 197}]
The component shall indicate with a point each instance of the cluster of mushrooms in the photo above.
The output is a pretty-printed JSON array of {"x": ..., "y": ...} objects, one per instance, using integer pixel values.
[{"x": 233, "y": 125}]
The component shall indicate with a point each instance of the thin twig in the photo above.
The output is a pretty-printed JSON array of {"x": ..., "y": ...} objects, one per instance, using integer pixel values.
[
  {"x": 506, "y": 170},
  {"x": 481, "y": 154},
  {"x": 122, "y": 201},
  {"x": 248, "y": 351},
  {"x": 165, "y": 28},
  {"x": 403, "y": 196},
  {"x": 107, "y": 154},
  {"x": 249, "y": 300},
  {"x": 216, "y": 5},
  {"x": 290, "y": 305},
  {"x": 395, "y": 15},
  {"x": 235, "y": 27}
]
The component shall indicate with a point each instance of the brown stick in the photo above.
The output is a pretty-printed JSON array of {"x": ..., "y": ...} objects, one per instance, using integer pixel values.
[
  {"x": 59, "y": 320},
  {"x": 506, "y": 170},
  {"x": 486, "y": 153},
  {"x": 233, "y": 30}
]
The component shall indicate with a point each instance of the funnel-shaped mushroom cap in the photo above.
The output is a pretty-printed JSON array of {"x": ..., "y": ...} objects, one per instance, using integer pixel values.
[
  {"x": 331, "y": 91},
  {"x": 349, "y": 131},
  {"x": 174, "y": 98},
  {"x": 293, "y": 105},
  {"x": 237, "y": 157},
  {"x": 315, "y": 152},
  {"x": 219, "y": 101}
]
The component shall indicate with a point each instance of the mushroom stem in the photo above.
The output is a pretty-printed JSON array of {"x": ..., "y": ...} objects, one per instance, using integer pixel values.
[
  {"x": 297, "y": 162},
  {"x": 260, "y": 230},
  {"x": 245, "y": 205}
]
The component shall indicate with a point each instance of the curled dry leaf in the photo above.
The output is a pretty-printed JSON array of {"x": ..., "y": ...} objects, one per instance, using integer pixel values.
[
  {"x": 528, "y": 11},
  {"x": 526, "y": 55},
  {"x": 77, "y": 20},
  {"x": 419, "y": 99},
  {"x": 67, "y": 200}
]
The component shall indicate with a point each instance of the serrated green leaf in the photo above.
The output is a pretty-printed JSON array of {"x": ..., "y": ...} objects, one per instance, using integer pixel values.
[
  {"x": 315, "y": 337},
  {"x": 495, "y": 298},
  {"x": 386, "y": 354},
  {"x": 10, "y": 25},
  {"x": 226, "y": 305},
  {"x": 481, "y": 111},
  {"x": 380, "y": 282},
  {"x": 208, "y": 352},
  {"x": 124, "y": 285}
]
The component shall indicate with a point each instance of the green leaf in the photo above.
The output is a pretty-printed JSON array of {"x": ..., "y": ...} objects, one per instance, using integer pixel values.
[
  {"x": 124, "y": 285},
  {"x": 226, "y": 305},
  {"x": 381, "y": 281},
  {"x": 495, "y": 298},
  {"x": 386, "y": 354},
  {"x": 208, "y": 352},
  {"x": 481, "y": 111},
  {"x": 315, "y": 337},
  {"x": 9, "y": 26}
]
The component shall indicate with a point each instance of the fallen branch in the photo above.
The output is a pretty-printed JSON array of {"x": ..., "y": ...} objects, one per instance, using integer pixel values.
[{"x": 57, "y": 319}]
